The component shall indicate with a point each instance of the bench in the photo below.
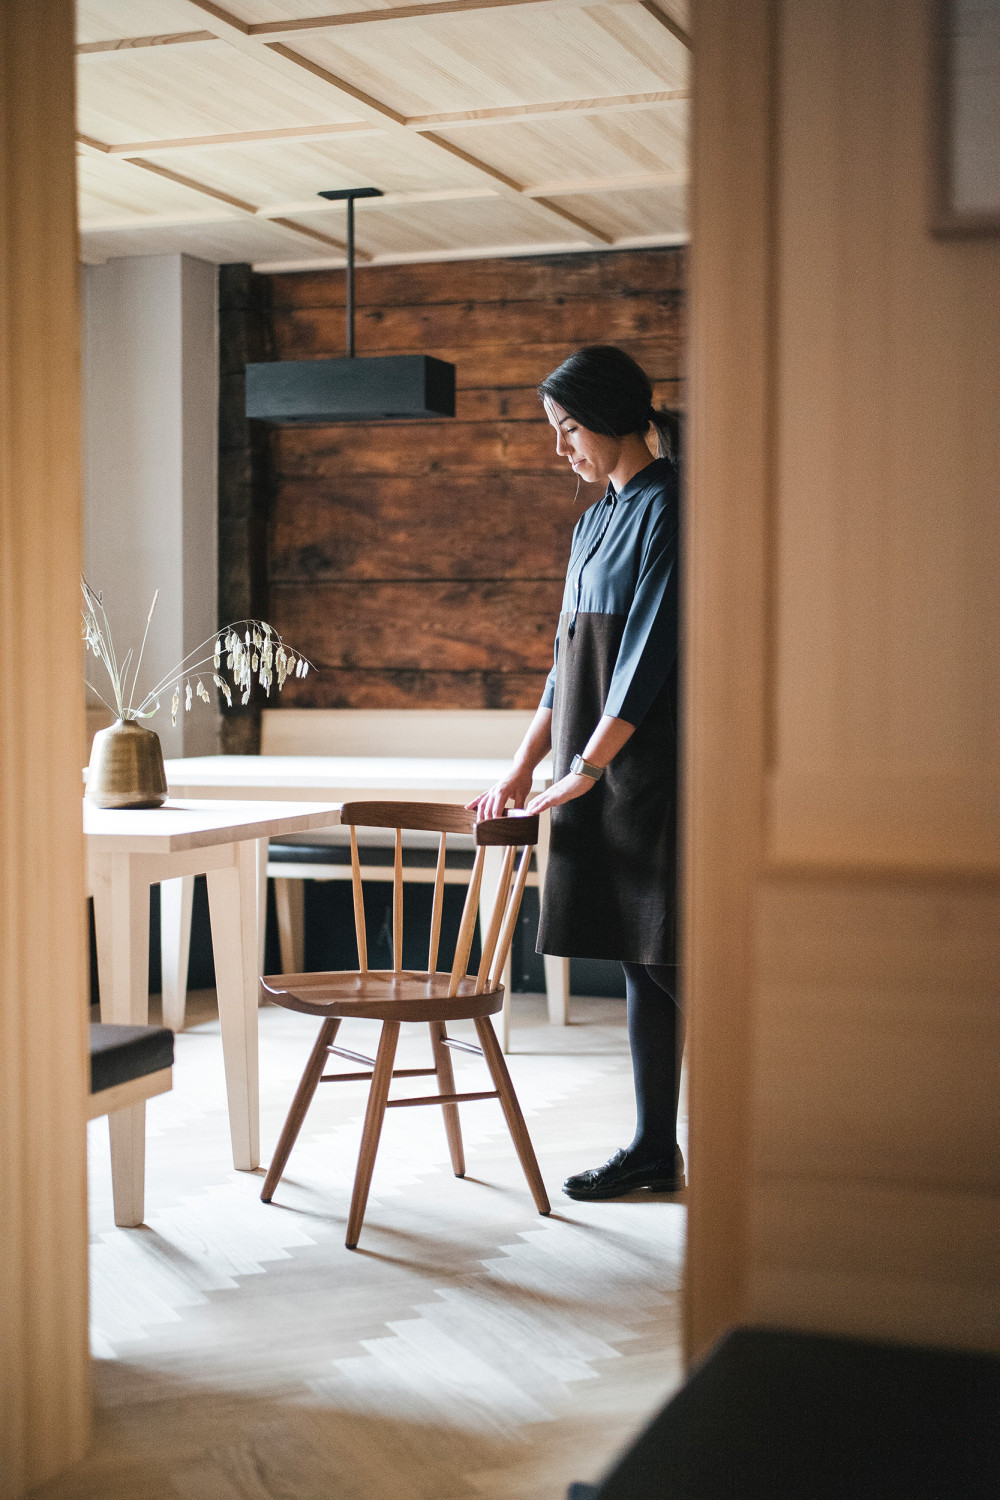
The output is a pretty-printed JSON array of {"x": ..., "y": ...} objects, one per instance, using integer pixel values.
[{"x": 128, "y": 1065}]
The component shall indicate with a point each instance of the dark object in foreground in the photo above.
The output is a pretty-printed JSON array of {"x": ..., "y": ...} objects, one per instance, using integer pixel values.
[{"x": 772, "y": 1415}]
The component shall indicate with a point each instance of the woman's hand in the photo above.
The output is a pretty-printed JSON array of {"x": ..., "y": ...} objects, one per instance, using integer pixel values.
[
  {"x": 514, "y": 788},
  {"x": 565, "y": 790}
]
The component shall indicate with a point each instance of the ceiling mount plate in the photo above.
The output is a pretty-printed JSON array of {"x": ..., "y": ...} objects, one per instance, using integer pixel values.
[{"x": 336, "y": 194}]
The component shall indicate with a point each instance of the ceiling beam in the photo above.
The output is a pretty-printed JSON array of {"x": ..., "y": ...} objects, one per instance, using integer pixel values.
[
  {"x": 668, "y": 22},
  {"x": 245, "y": 137},
  {"x": 240, "y": 208},
  {"x": 278, "y": 212},
  {"x": 231, "y": 30},
  {"x": 628, "y": 182},
  {"x": 274, "y": 30},
  {"x": 564, "y": 187},
  {"x": 481, "y": 252},
  {"x": 514, "y": 114},
  {"x": 125, "y": 43},
  {"x": 505, "y": 114}
]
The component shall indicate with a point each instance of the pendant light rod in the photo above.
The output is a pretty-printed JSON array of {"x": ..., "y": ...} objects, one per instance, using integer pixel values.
[{"x": 349, "y": 194}]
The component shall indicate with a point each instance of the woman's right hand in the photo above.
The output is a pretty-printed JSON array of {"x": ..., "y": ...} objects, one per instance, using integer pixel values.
[{"x": 514, "y": 788}]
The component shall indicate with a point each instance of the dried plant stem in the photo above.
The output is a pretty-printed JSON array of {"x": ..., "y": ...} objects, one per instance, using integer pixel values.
[
  {"x": 251, "y": 648},
  {"x": 142, "y": 648}
]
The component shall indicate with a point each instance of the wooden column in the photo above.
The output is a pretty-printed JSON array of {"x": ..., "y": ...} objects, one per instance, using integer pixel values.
[
  {"x": 44, "y": 1364},
  {"x": 244, "y": 477},
  {"x": 727, "y": 532},
  {"x": 843, "y": 771}
]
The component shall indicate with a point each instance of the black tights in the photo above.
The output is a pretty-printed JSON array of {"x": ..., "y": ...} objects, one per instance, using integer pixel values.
[{"x": 656, "y": 1038}]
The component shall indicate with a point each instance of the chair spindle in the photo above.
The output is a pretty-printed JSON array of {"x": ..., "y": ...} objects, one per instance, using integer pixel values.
[
  {"x": 499, "y": 908},
  {"x": 359, "y": 904},
  {"x": 470, "y": 911},
  {"x": 513, "y": 907},
  {"x": 397, "y": 906},
  {"x": 437, "y": 909}
]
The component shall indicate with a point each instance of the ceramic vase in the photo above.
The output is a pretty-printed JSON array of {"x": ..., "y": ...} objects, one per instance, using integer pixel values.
[{"x": 126, "y": 767}]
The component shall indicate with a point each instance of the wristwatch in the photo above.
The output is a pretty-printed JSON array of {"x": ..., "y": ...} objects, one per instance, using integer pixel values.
[{"x": 581, "y": 767}]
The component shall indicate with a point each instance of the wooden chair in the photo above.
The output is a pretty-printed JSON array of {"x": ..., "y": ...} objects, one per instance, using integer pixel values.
[{"x": 396, "y": 995}]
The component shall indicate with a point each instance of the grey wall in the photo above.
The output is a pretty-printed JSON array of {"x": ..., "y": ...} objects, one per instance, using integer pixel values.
[{"x": 150, "y": 402}]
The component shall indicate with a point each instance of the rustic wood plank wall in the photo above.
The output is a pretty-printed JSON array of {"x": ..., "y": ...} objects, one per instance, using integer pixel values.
[{"x": 420, "y": 564}]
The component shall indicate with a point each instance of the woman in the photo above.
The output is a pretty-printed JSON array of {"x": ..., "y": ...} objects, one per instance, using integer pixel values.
[{"x": 609, "y": 715}]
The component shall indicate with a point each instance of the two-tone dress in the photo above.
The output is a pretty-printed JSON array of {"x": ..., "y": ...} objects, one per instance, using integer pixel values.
[{"x": 610, "y": 888}]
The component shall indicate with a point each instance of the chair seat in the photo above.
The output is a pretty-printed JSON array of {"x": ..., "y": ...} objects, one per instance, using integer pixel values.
[{"x": 382, "y": 995}]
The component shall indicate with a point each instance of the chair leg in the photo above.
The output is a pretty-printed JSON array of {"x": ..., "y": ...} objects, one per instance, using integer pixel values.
[
  {"x": 300, "y": 1105},
  {"x": 446, "y": 1085},
  {"x": 374, "y": 1115},
  {"x": 512, "y": 1110}
]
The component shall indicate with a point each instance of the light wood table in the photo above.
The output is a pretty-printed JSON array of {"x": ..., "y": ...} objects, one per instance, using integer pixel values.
[
  {"x": 340, "y": 778},
  {"x": 127, "y": 852}
]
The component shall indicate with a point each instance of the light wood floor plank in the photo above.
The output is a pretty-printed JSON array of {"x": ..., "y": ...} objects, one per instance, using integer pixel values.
[{"x": 468, "y": 1351}]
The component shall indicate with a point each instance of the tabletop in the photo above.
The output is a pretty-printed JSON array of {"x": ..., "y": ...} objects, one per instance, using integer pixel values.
[
  {"x": 391, "y": 772},
  {"x": 198, "y": 823}
]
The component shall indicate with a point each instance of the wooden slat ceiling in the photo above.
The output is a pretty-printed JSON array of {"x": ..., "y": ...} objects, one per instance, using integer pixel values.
[{"x": 494, "y": 127}]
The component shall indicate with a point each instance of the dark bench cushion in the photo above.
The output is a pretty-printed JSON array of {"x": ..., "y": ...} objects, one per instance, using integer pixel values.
[
  {"x": 120, "y": 1053},
  {"x": 371, "y": 856},
  {"x": 772, "y": 1415},
  {"x": 376, "y": 854}
]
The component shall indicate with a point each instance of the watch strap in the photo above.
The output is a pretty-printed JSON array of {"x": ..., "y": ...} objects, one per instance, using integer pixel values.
[{"x": 581, "y": 767}]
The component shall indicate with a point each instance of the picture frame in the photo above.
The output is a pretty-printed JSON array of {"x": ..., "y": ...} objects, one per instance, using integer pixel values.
[{"x": 965, "y": 117}]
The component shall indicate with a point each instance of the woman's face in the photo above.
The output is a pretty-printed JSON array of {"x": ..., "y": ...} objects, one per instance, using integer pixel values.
[{"x": 592, "y": 455}]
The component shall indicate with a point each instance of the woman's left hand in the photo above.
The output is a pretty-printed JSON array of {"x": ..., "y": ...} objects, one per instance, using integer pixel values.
[{"x": 565, "y": 790}]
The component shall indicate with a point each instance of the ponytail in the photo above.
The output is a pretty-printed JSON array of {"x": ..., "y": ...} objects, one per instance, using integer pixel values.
[{"x": 668, "y": 426}]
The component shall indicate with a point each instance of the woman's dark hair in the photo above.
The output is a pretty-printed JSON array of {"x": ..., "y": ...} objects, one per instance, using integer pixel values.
[{"x": 603, "y": 389}]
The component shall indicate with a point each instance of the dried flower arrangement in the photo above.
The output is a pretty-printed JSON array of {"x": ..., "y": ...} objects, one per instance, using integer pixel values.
[{"x": 246, "y": 647}]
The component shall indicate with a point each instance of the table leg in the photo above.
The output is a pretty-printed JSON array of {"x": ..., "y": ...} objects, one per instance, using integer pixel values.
[
  {"x": 232, "y": 901},
  {"x": 556, "y": 969},
  {"x": 262, "y": 846},
  {"x": 176, "y": 898},
  {"x": 121, "y": 917}
]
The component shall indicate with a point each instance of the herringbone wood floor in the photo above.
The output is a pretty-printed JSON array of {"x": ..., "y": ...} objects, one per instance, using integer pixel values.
[{"x": 467, "y": 1349}]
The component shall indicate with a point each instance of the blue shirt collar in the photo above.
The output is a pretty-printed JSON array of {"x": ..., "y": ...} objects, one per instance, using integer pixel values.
[{"x": 655, "y": 472}]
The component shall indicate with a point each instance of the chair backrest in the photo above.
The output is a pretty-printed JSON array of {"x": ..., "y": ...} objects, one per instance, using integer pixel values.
[{"x": 511, "y": 833}]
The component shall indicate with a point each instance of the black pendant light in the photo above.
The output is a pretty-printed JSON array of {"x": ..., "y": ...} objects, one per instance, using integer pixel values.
[{"x": 401, "y": 387}]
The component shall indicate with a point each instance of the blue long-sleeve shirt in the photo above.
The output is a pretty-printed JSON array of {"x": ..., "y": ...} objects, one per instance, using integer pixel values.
[{"x": 623, "y": 573}]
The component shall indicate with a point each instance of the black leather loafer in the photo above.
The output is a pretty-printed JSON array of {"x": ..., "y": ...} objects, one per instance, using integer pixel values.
[{"x": 618, "y": 1177}]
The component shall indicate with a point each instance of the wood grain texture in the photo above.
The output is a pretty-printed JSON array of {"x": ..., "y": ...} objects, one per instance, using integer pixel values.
[
  {"x": 257, "y": 1357},
  {"x": 424, "y": 816},
  {"x": 501, "y": 365},
  {"x": 536, "y": 278},
  {"x": 45, "y": 1363},
  {"x": 841, "y": 955},
  {"x": 421, "y": 626},
  {"x": 457, "y": 325},
  {"x": 360, "y": 527},
  {"x": 441, "y": 449},
  {"x": 420, "y": 564}
]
